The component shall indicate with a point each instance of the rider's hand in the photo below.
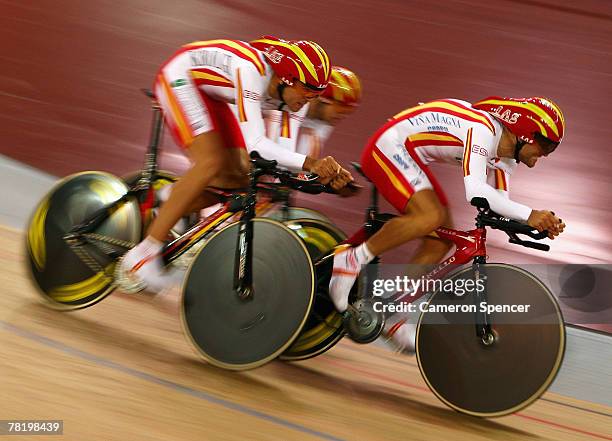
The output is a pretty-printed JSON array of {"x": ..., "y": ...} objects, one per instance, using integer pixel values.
[
  {"x": 327, "y": 168},
  {"x": 340, "y": 181},
  {"x": 546, "y": 220}
]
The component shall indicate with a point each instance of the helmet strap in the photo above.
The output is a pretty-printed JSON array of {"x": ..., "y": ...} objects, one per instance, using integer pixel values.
[
  {"x": 517, "y": 149},
  {"x": 280, "y": 88}
]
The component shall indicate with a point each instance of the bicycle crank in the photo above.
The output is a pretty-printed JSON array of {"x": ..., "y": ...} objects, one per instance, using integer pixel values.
[{"x": 362, "y": 322}]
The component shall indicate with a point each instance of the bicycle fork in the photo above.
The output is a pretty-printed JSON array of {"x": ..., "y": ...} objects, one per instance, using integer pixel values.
[{"x": 484, "y": 331}]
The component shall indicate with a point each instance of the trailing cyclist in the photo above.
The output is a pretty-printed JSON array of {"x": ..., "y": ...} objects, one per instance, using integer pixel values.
[
  {"x": 339, "y": 100},
  {"x": 213, "y": 94}
]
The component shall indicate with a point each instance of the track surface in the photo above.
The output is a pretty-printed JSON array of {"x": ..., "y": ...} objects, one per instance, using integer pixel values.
[{"x": 122, "y": 370}]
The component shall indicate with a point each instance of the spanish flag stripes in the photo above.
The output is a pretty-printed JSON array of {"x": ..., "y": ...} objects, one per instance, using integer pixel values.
[
  {"x": 467, "y": 151},
  {"x": 179, "y": 123},
  {"x": 285, "y": 125},
  {"x": 448, "y": 107},
  {"x": 236, "y": 47},
  {"x": 500, "y": 180},
  {"x": 398, "y": 181},
  {"x": 240, "y": 98},
  {"x": 208, "y": 77},
  {"x": 435, "y": 139}
]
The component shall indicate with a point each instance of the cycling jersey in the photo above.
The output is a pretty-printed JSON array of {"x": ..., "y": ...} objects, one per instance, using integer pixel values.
[
  {"x": 222, "y": 85},
  {"x": 308, "y": 140},
  {"x": 450, "y": 131}
]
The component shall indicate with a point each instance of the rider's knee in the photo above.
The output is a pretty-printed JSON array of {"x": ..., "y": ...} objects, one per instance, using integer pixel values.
[{"x": 434, "y": 218}]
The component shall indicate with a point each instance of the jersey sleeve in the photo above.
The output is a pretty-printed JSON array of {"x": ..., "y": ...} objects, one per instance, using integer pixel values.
[
  {"x": 500, "y": 181},
  {"x": 477, "y": 150},
  {"x": 249, "y": 94}
]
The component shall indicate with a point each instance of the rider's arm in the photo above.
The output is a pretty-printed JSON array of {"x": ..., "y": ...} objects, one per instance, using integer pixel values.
[
  {"x": 478, "y": 148},
  {"x": 500, "y": 181},
  {"x": 312, "y": 137},
  {"x": 250, "y": 117}
]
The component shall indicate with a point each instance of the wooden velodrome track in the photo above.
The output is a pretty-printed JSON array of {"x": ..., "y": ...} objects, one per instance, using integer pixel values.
[{"x": 122, "y": 370}]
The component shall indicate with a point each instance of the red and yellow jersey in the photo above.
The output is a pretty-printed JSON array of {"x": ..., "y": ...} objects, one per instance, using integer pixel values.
[
  {"x": 452, "y": 131},
  {"x": 233, "y": 72}
]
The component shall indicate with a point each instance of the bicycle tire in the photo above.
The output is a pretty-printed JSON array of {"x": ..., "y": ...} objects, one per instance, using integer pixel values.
[
  {"x": 239, "y": 335},
  {"x": 509, "y": 375},
  {"x": 296, "y": 213},
  {"x": 63, "y": 280},
  {"x": 323, "y": 329}
]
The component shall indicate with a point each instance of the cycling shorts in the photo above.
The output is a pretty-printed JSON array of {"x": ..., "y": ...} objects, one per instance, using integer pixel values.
[
  {"x": 188, "y": 110},
  {"x": 396, "y": 170}
]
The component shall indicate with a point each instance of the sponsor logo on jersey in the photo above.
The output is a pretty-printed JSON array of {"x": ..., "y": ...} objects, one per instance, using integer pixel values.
[
  {"x": 250, "y": 95},
  {"x": 479, "y": 150},
  {"x": 437, "y": 129},
  {"x": 211, "y": 58},
  {"x": 433, "y": 118},
  {"x": 397, "y": 158},
  {"x": 178, "y": 83},
  {"x": 274, "y": 55},
  {"x": 507, "y": 115}
]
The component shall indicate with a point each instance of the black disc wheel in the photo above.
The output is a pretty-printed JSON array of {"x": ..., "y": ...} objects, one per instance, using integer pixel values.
[
  {"x": 71, "y": 279},
  {"x": 243, "y": 334},
  {"x": 323, "y": 329},
  {"x": 509, "y": 368},
  {"x": 297, "y": 213}
]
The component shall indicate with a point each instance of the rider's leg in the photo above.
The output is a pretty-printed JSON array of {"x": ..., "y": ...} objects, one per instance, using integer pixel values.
[
  {"x": 431, "y": 251},
  {"x": 210, "y": 158},
  {"x": 423, "y": 214}
]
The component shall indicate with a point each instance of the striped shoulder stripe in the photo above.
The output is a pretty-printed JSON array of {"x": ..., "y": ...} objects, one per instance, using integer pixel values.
[
  {"x": 241, "y": 112},
  {"x": 467, "y": 150},
  {"x": 236, "y": 47},
  {"x": 203, "y": 76},
  {"x": 448, "y": 107},
  {"x": 435, "y": 138}
]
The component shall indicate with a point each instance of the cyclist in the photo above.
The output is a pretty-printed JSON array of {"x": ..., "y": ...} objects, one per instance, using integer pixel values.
[
  {"x": 339, "y": 100},
  {"x": 487, "y": 139},
  {"x": 213, "y": 94}
]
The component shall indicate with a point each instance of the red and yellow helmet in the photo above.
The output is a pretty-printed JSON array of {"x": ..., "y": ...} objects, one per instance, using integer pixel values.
[
  {"x": 344, "y": 87},
  {"x": 293, "y": 60},
  {"x": 527, "y": 116}
]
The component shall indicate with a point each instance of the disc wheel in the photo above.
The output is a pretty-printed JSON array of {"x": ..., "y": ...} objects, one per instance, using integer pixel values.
[
  {"x": 65, "y": 281},
  {"x": 323, "y": 329},
  {"x": 243, "y": 334},
  {"x": 518, "y": 365},
  {"x": 297, "y": 213}
]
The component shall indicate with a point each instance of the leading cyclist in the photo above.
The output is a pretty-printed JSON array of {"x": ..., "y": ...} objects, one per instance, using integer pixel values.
[
  {"x": 212, "y": 94},
  {"x": 487, "y": 139}
]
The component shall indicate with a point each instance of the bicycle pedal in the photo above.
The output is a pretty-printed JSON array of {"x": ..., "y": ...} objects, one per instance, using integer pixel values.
[{"x": 362, "y": 323}]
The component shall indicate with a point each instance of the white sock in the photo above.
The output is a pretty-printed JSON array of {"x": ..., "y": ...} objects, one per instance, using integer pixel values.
[
  {"x": 151, "y": 271},
  {"x": 347, "y": 265}
]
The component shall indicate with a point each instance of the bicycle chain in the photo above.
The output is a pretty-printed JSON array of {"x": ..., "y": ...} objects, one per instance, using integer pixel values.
[{"x": 92, "y": 263}]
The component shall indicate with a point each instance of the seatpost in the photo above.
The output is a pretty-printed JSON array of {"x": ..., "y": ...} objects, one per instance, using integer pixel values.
[
  {"x": 149, "y": 170},
  {"x": 372, "y": 211}
]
